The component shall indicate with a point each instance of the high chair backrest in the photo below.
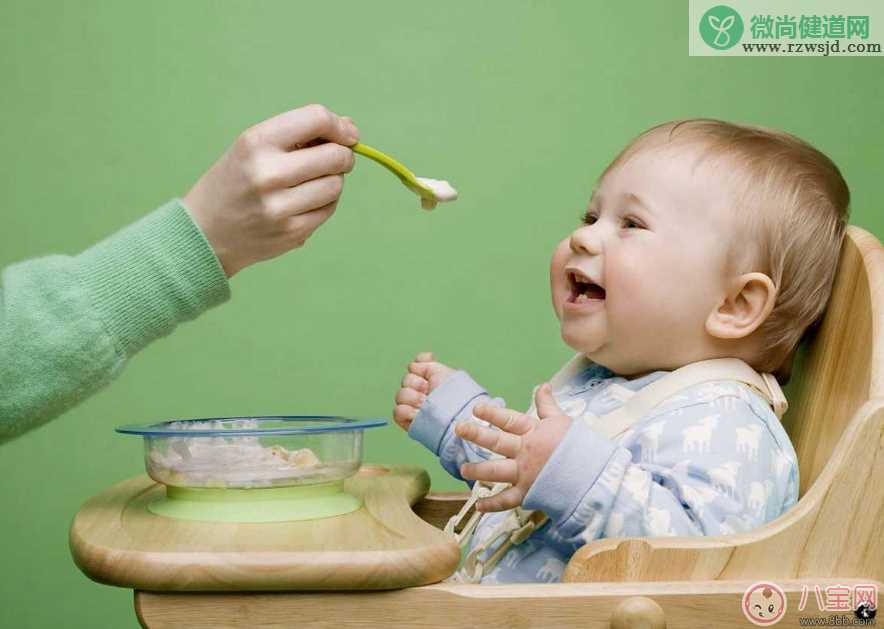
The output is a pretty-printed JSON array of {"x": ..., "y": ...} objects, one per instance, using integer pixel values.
[{"x": 840, "y": 364}]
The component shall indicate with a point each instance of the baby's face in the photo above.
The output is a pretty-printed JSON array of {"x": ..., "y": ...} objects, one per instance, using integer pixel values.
[{"x": 654, "y": 242}]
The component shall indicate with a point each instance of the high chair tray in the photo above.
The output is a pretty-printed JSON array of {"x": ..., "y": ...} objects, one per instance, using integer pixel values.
[{"x": 114, "y": 539}]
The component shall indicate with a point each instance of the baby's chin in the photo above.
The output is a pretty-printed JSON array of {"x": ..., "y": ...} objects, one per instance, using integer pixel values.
[{"x": 587, "y": 344}]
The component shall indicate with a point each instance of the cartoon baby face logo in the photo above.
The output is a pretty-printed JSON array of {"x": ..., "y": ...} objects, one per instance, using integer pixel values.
[{"x": 764, "y": 603}]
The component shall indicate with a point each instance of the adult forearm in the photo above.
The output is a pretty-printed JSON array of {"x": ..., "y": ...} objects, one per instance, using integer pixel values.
[{"x": 69, "y": 324}]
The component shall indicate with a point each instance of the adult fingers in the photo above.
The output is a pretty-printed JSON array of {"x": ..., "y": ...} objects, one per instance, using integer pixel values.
[
  {"x": 285, "y": 170},
  {"x": 506, "y": 499},
  {"x": 299, "y": 126},
  {"x": 492, "y": 439},
  {"x": 299, "y": 227},
  {"x": 310, "y": 195},
  {"x": 416, "y": 382},
  {"x": 545, "y": 402},
  {"x": 493, "y": 471},
  {"x": 504, "y": 418},
  {"x": 410, "y": 397}
]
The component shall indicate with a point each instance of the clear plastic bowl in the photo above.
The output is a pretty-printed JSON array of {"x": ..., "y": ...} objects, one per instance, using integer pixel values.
[{"x": 252, "y": 452}]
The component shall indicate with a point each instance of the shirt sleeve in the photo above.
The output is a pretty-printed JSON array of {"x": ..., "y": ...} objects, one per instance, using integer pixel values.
[
  {"x": 68, "y": 324},
  {"x": 450, "y": 402},
  {"x": 709, "y": 468}
]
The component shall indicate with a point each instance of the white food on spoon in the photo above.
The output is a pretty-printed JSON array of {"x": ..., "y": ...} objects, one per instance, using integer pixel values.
[{"x": 442, "y": 190}]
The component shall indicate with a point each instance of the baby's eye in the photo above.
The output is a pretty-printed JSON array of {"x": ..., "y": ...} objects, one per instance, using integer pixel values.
[
  {"x": 589, "y": 218},
  {"x": 631, "y": 224}
]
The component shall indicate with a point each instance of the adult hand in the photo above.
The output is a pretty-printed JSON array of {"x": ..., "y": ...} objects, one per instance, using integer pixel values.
[
  {"x": 526, "y": 443},
  {"x": 280, "y": 180}
]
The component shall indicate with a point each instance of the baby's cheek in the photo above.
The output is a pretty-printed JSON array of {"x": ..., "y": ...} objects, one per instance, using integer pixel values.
[
  {"x": 627, "y": 278},
  {"x": 557, "y": 284},
  {"x": 559, "y": 257},
  {"x": 640, "y": 304},
  {"x": 657, "y": 275}
]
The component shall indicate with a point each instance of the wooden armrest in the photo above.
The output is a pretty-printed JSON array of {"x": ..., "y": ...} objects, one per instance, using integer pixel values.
[{"x": 437, "y": 507}]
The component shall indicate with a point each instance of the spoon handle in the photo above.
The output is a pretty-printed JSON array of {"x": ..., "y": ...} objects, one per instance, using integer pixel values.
[{"x": 397, "y": 168}]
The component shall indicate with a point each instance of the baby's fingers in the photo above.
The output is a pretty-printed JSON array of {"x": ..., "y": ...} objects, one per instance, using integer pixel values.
[
  {"x": 410, "y": 397},
  {"x": 415, "y": 382},
  {"x": 422, "y": 369},
  {"x": 504, "y": 418},
  {"x": 506, "y": 499},
  {"x": 404, "y": 414},
  {"x": 424, "y": 357},
  {"x": 495, "y": 440},
  {"x": 493, "y": 471}
]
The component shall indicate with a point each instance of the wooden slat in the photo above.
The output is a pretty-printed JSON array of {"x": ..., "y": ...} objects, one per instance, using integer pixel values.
[{"x": 562, "y": 606}]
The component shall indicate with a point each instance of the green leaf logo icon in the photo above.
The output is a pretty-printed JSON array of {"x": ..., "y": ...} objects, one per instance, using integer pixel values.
[{"x": 721, "y": 27}]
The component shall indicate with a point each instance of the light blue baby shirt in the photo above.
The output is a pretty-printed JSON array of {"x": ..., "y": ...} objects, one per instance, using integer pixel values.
[{"x": 711, "y": 460}]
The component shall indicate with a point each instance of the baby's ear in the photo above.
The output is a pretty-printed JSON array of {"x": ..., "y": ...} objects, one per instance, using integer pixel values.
[{"x": 748, "y": 302}]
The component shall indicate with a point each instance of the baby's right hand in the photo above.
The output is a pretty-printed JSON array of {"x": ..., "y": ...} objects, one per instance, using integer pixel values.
[{"x": 424, "y": 375}]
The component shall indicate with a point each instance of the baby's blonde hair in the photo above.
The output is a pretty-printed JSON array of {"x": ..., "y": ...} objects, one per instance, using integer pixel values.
[{"x": 792, "y": 209}]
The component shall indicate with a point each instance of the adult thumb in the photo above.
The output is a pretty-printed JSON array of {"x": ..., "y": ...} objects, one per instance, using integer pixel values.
[{"x": 545, "y": 403}]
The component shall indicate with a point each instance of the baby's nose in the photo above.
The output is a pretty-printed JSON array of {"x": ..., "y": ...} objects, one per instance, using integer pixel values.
[{"x": 586, "y": 240}]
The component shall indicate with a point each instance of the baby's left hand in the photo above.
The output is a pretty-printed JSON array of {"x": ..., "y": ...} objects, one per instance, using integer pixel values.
[{"x": 526, "y": 443}]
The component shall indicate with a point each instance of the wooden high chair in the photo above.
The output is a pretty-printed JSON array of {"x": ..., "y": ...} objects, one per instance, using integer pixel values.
[{"x": 831, "y": 537}]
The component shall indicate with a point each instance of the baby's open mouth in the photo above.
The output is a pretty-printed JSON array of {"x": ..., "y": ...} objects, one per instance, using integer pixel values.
[{"x": 583, "y": 289}]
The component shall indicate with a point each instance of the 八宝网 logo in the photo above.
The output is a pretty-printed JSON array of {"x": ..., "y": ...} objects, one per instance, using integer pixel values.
[{"x": 764, "y": 603}]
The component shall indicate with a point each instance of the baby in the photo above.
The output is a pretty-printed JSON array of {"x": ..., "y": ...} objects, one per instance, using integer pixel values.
[{"x": 703, "y": 240}]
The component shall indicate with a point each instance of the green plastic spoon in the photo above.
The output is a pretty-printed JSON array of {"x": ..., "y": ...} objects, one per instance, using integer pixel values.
[{"x": 428, "y": 197}]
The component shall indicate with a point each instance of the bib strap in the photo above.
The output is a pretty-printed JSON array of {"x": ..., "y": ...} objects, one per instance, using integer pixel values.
[{"x": 645, "y": 400}]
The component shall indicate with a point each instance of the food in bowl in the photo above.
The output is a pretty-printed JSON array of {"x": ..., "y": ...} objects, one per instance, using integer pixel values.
[{"x": 251, "y": 452}]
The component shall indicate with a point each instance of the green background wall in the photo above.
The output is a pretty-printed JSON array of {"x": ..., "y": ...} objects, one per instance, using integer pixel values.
[{"x": 110, "y": 108}]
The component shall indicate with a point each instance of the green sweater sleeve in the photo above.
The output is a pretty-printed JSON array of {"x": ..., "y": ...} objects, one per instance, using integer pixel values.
[{"x": 68, "y": 324}]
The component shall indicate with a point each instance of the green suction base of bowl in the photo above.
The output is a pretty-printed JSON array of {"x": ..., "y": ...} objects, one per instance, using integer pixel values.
[{"x": 264, "y": 504}]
